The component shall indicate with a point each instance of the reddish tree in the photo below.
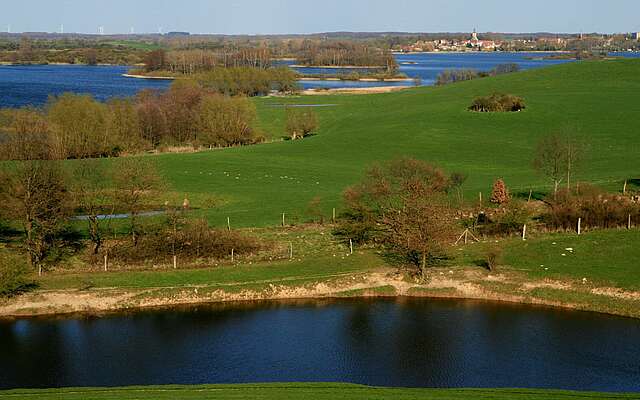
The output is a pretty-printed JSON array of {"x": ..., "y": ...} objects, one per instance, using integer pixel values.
[{"x": 500, "y": 193}]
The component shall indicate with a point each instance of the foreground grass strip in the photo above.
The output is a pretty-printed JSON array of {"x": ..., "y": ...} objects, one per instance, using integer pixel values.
[{"x": 301, "y": 391}]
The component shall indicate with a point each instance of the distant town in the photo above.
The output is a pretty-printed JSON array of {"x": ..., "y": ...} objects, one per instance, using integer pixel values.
[{"x": 533, "y": 42}]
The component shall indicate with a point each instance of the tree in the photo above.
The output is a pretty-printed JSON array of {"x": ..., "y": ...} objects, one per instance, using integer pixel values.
[
  {"x": 406, "y": 204},
  {"x": 155, "y": 60},
  {"x": 500, "y": 193},
  {"x": 557, "y": 156},
  {"x": 134, "y": 180},
  {"x": 301, "y": 122},
  {"x": 91, "y": 197},
  {"x": 35, "y": 193}
]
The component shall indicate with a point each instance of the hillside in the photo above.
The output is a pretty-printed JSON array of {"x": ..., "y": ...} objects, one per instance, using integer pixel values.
[{"x": 600, "y": 100}]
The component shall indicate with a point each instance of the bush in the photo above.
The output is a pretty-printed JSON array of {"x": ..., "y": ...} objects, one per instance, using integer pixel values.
[
  {"x": 13, "y": 276},
  {"x": 301, "y": 122},
  {"x": 508, "y": 222},
  {"x": 500, "y": 193},
  {"x": 596, "y": 208},
  {"x": 492, "y": 257},
  {"x": 498, "y": 103},
  {"x": 193, "y": 240}
]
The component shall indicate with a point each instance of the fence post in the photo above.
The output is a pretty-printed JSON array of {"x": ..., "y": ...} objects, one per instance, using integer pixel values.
[
  {"x": 524, "y": 232},
  {"x": 283, "y": 224},
  {"x": 229, "y": 224},
  {"x": 106, "y": 263},
  {"x": 624, "y": 188},
  {"x": 480, "y": 199},
  {"x": 629, "y": 222},
  {"x": 579, "y": 226},
  {"x": 351, "y": 246},
  {"x": 334, "y": 215},
  {"x": 175, "y": 262},
  {"x": 232, "y": 254},
  {"x": 290, "y": 250}
]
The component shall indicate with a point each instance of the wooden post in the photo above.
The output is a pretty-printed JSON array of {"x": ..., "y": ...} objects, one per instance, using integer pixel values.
[
  {"x": 466, "y": 235},
  {"x": 524, "y": 232},
  {"x": 106, "y": 263},
  {"x": 283, "y": 223},
  {"x": 232, "y": 254},
  {"x": 175, "y": 262},
  {"x": 579, "y": 226},
  {"x": 629, "y": 222},
  {"x": 290, "y": 250},
  {"x": 334, "y": 215},
  {"x": 480, "y": 199},
  {"x": 624, "y": 188},
  {"x": 351, "y": 246},
  {"x": 229, "y": 224},
  {"x": 530, "y": 194}
]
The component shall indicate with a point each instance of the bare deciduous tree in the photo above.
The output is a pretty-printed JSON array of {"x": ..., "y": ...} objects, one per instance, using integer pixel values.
[
  {"x": 135, "y": 180},
  {"x": 34, "y": 193},
  {"x": 557, "y": 157},
  {"x": 301, "y": 122}
]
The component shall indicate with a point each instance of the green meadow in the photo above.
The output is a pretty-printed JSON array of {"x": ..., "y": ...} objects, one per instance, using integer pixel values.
[
  {"x": 598, "y": 101},
  {"x": 301, "y": 391}
]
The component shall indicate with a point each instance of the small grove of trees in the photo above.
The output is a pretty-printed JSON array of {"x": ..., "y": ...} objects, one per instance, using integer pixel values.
[
  {"x": 557, "y": 156},
  {"x": 301, "y": 122},
  {"x": 247, "y": 81},
  {"x": 498, "y": 102},
  {"x": 343, "y": 53},
  {"x": 404, "y": 206}
]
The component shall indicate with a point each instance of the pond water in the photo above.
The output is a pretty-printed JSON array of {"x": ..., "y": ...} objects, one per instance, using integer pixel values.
[{"x": 394, "y": 342}]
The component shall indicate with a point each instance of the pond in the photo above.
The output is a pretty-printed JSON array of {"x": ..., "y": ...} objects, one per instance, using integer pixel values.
[{"x": 391, "y": 342}]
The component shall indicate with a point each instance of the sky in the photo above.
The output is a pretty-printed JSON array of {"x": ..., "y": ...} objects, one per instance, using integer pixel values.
[{"x": 308, "y": 16}]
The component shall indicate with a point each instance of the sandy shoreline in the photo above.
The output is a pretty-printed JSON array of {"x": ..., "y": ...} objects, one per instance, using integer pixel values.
[
  {"x": 467, "y": 285},
  {"x": 164, "y": 78}
]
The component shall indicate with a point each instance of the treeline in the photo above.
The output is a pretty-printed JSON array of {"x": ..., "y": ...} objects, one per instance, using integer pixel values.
[
  {"x": 29, "y": 52},
  {"x": 199, "y": 60},
  {"x": 466, "y": 74},
  {"x": 77, "y": 126}
]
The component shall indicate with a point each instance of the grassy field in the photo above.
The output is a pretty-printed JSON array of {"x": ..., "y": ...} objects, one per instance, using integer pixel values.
[
  {"x": 607, "y": 258},
  {"x": 254, "y": 185},
  {"x": 301, "y": 391}
]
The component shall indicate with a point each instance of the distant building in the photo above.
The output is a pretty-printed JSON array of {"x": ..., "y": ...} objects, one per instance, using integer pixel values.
[
  {"x": 474, "y": 36},
  {"x": 636, "y": 36}
]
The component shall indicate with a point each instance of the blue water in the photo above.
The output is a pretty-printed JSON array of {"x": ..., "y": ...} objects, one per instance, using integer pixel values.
[
  {"x": 32, "y": 85},
  {"x": 401, "y": 342}
]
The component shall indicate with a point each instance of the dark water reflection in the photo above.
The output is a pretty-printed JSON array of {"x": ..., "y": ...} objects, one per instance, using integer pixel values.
[{"x": 409, "y": 342}]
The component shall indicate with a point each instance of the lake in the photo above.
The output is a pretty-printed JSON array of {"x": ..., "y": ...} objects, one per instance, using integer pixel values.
[
  {"x": 393, "y": 342},
  {"x": 32, "y": 85}
]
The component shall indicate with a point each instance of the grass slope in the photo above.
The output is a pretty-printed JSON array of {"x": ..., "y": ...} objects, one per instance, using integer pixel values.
[
  {"x": 300, "y": 391},
  {"x": 256, "y": 184}
]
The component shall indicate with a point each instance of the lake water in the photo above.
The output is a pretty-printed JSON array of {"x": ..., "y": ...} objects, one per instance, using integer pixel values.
[
  {"x": 32, "y": 85},
  {"x": 404, "y": 342}
]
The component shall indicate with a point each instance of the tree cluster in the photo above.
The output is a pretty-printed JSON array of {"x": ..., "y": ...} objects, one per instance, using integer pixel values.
[{"x": 77, "y": 126}]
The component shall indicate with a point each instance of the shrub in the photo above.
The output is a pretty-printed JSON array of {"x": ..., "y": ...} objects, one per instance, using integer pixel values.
[
  {"x": 596, "y": 208},
  {"x": 500, "y": 193},
  {"x": 498, "y": 103},
  {"x": 193, "y": 240},
  {"x": 505, "y": 69},
  {"x": 492, "y": 257},
  {"x": 301, "y": 122},
  {"x": 508, "y": 222}
]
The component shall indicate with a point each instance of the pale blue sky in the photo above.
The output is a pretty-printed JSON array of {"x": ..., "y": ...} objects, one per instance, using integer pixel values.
[{"x": 306, "y": 16}]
